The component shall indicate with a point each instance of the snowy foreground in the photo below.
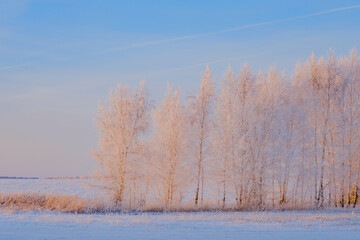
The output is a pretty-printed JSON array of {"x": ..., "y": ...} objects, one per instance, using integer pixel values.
[{"x": 327, "y": 224}]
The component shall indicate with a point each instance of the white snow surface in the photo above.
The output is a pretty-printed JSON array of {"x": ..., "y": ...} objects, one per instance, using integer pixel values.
[
  {"x": 327, "y": 224},
  {"x": 324, "y": 224},
  {"x": 81, "y": 187}
]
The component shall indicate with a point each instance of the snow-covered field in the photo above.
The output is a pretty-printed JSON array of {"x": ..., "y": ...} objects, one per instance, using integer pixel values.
[
  {"x": 325, "y": 224},
  {"x": 80, "y": 187},
  {"x": 255, "y": 225}
]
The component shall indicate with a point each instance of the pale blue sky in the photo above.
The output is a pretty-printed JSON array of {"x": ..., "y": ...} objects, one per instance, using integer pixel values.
[{"x": 59, "y": 58}]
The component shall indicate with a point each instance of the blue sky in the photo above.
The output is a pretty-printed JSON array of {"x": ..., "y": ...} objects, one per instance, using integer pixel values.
[{"x": 58, "y": 59}]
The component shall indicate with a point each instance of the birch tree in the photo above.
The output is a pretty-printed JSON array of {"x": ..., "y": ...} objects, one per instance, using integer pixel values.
[
  {"x": 263, "y": 140},
  {"x": 122, "y": 125},
  {"x": 201, "y": 118},
  {"x": 170, "y": 143},
  {"x": 245, "y": 94},
  {"x": 223, "y": 139}
]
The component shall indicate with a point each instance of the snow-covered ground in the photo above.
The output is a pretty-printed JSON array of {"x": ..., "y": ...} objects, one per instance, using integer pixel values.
[
  {"x": 80, "y": 187},
  {"x": 326, "y": 224}
]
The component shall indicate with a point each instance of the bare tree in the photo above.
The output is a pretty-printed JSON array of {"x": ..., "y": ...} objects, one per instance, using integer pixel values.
[
  {"x": 223, "y": 139},
  {"x": 121, "y": 127},
  {"x": 201, "y": 114},
  {"x": 170, "y": 145},
  {"x": 245, "y": 93},
  {"x": 264, "y": 140}
]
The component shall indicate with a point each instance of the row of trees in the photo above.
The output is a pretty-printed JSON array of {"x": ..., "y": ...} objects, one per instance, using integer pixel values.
[{"x": 259, "y": 141}]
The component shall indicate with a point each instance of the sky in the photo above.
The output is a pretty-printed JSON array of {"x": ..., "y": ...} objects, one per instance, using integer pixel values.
[{"x": 60, "y": 58}]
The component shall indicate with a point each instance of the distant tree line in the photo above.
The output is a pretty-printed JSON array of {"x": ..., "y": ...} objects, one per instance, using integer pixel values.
[
  {"x": 7, "y": 177},
  {"x": 259, "y": 141}
]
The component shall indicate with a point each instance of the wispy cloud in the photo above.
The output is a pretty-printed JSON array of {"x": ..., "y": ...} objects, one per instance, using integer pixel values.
[
  {"x": 144, "y": 44},
  {"x": 15, "y": 66}
]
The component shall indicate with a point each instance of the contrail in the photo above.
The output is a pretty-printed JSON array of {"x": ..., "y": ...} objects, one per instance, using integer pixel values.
[
  {"x": 15, "y": 66},
  {"x": 226, "y": 30}
]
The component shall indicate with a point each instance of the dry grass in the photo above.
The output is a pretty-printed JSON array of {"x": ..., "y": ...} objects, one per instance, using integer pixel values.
[
  {"x": 63, "y": 203},
  {"x": 27, "y": 202}
]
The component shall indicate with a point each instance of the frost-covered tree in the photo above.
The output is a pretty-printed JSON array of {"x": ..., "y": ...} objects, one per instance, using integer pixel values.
[
  {"x": 170, "y": 147},
  {"x": 262, "y": 140},
  {"x": 262, "y": 135},
  {"x": 122, "y": 125},
  {"x": 201, "y": 108},
  {"x": 224, "y": 139},
  {"x": 245, "y": 93},
  {"x": 349, "y": 128}
]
